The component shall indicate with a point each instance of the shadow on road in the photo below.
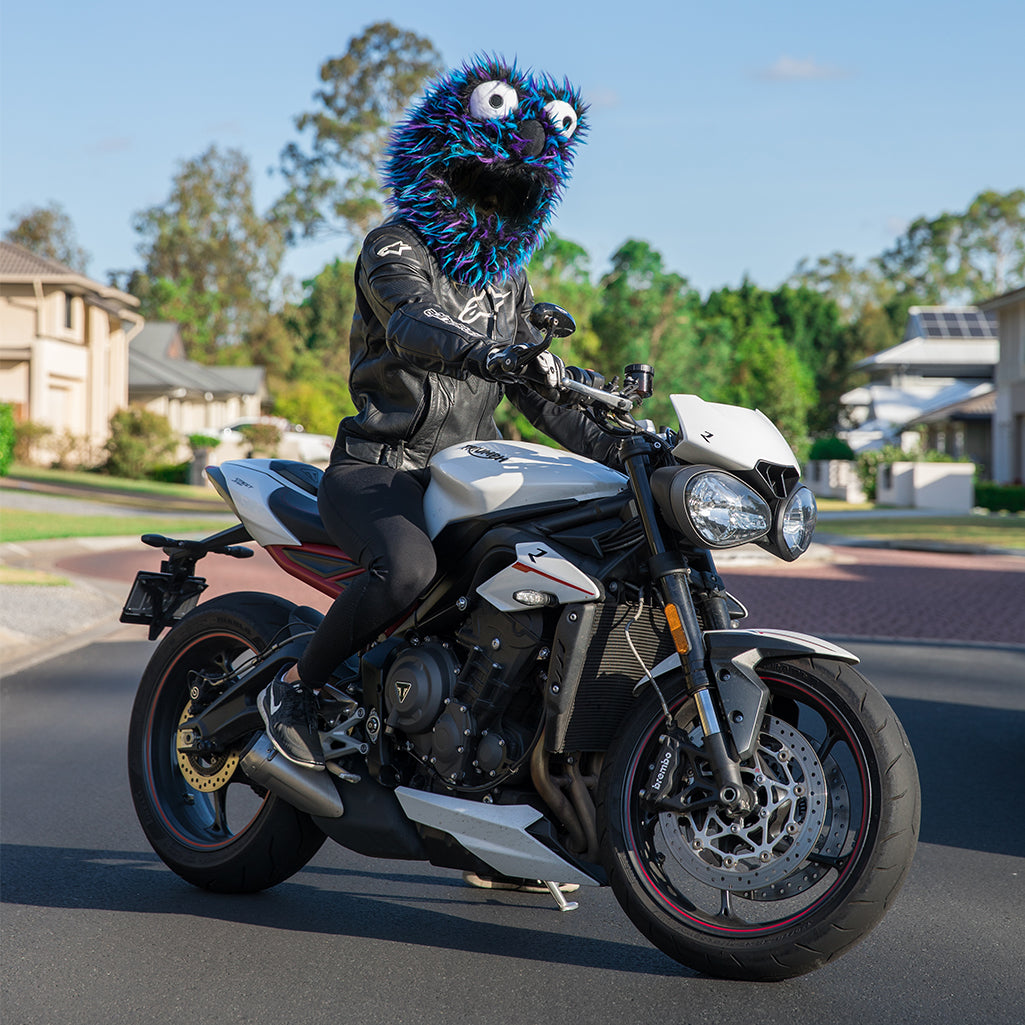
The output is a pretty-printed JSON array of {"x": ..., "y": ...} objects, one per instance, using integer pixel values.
[
  {"x": 969, "y": 760},
  {"x": 53, "y": 877}
]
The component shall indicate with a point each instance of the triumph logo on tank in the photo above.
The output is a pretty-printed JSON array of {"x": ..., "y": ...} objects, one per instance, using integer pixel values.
[{"x": 485, "y": 453}]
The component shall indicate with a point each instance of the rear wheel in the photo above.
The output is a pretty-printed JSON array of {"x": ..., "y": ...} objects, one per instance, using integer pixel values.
[
  {"x": 203, "y": 817},
  {"x": 810, "y": 871}
]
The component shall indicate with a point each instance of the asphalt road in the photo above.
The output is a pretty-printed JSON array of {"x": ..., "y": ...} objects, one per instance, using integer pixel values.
[{"x": 95, "y": 929}]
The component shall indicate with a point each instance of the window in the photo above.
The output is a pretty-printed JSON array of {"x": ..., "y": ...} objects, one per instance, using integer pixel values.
[{"x": 69, "y": 320}]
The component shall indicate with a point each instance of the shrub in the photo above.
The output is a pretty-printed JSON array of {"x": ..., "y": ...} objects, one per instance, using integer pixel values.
[
  {"x": 171, "y": 473},
  {"x": 870, "y": 460},
  {"x": 830, "y": 448},
  {"x": 139, "y": 440},
  {"x": 263, "y": 438},
  {"x": 26, "y": 436},
  {"x": 1000, "y": 497},
  {"x": 7, "y": 438},
  {"x": 203, "y": 441}
]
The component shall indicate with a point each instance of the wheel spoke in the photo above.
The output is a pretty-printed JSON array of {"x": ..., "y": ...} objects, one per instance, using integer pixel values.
[
  {"x": 827, "y": 743},
  {"x": 219, "y": 806}
]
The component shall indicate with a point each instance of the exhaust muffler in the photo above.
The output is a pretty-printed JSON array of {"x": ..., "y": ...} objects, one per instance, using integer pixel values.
[{"x": 305, "y": 789}]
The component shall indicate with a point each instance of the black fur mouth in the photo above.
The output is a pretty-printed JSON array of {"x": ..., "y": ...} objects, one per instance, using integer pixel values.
[{"x": 511, "y": 192}]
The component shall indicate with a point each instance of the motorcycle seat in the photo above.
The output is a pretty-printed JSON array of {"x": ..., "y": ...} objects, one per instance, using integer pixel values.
[
  {"x": 302, "y": 475},
  {"x": 297, "y": 510}
]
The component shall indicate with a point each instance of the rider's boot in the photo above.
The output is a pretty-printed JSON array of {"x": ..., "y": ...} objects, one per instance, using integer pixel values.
[{"x": 290, "y": 713}]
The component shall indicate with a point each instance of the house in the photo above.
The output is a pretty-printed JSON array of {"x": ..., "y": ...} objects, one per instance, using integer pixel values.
[
  {"x": 63, "y": 346},
  {"x": 935, "y": 382},
  {"x": 195, "y": 398},
  {"x": 1009, "y": 412}
]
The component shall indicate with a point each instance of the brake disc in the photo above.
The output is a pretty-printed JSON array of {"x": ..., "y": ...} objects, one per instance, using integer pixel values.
[
  {"x": 769, "y": 844},
  {"x": 202, "y": 772}
]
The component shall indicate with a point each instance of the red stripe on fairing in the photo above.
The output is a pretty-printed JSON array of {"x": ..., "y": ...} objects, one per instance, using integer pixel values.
[
  {"x": 330, "y": 584},
  {"x": 771, "y": 927},
  {"x": 565, "y": 583}
]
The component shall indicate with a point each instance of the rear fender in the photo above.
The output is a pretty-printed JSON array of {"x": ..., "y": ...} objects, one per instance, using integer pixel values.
[{"x": 734, "y": 657}]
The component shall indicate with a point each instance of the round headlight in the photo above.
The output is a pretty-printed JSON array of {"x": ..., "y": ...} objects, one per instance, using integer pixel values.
[
  {"x": 724, "y": 511},
  {"x": 797, "y": 522}
]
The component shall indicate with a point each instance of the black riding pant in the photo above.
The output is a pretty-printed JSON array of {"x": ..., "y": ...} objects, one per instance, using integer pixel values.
[{"x": 375, "y": 515}]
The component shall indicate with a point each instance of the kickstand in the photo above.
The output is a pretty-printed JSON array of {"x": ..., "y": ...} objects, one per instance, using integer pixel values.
[{"x": 564, "y": 905}]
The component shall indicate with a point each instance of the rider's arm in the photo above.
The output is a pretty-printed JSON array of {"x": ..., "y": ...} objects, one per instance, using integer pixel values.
[{"x": 395, "y": 280}]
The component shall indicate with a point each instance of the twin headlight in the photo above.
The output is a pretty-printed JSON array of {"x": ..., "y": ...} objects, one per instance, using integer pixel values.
[{"x": 715, "y": 509}]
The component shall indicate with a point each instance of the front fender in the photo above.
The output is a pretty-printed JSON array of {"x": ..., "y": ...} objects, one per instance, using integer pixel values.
[{"x": 734, "y": 657}]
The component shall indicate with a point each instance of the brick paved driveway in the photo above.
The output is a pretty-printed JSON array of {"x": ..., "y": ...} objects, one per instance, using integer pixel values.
[{"x": 873, "y": 592}]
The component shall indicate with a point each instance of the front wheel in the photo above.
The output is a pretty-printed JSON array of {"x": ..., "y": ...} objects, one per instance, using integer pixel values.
[
  {"x": 202, "y": 815},
  {"x": 814, "y": 866}
]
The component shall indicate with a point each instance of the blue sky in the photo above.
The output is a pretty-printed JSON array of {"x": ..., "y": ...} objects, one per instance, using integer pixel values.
[{"x": 737, "y": 138}]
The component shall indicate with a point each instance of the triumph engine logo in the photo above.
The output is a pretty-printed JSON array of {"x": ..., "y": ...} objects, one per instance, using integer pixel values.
[{"x": 485, "y": 453}]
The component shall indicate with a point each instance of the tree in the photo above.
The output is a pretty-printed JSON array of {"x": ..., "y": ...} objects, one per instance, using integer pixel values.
[
  {"x": 647, "y": 314},
  {"x": 559, "y": 273},
  {"x": 764, "y": 371},
  {"x": 811, "y": 325},
  {"x": 839, "y": 278},
  {"x": 961, "y": 257},
  {"x": 210, "y": 259},
  {"x": 48, "y": 231},
  {"x": 306, "y": 352},
  {"x": 332, "y": 183}
]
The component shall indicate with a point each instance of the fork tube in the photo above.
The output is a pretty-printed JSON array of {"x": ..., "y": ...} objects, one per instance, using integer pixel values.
[{"x": 672, "y": 574}]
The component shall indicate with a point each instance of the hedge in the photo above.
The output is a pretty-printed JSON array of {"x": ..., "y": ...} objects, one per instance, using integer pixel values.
[{"x": 1000, "y": 497}]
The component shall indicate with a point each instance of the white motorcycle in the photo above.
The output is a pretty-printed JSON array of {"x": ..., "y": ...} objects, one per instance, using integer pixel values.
[{"x": 569, "y": 701}]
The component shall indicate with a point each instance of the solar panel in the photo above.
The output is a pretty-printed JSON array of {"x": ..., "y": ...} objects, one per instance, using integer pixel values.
[{"x": 956, "y": 323}]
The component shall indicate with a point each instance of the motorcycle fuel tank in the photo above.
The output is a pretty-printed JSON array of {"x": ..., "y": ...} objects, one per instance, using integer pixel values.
[{"x": 474, "y": 478}]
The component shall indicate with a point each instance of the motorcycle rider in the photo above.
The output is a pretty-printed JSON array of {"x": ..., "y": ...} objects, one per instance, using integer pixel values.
[{"x": 475, "y": 172}]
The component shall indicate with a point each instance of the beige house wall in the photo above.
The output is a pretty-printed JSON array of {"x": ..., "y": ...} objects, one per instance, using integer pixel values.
[
  {"x": 64, "y": 356},
  {"x": 1009, "y": 418}
]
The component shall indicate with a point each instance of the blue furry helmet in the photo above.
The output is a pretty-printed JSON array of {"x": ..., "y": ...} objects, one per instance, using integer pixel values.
[{"x": 478, "y": 167}]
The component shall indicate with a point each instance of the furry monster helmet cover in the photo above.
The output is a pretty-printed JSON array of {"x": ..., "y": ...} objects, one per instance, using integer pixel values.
[{"x": 479, "y": 166}]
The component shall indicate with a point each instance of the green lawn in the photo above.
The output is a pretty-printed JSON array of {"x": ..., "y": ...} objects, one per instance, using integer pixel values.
[
  {"x": 997, "y": 531},
  {"x": 135, "y": 491},
  {"x": 25, "y": 525}
]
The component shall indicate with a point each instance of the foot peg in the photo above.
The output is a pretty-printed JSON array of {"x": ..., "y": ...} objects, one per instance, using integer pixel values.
[{"x": 564, "y": 905}]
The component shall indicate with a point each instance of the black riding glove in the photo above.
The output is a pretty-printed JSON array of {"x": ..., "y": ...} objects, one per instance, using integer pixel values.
[{"x": 544, "y": 373}]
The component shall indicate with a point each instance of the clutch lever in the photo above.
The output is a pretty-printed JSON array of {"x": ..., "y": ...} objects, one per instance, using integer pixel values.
[{"x": 596, "y": 396}]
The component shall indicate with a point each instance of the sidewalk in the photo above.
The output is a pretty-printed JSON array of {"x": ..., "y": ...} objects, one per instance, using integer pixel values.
[{"x": 39, "y": 621}]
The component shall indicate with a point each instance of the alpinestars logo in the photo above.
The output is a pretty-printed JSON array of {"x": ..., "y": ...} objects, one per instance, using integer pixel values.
[
  {"x": 394, "y": 249},
  {"x": 477, "y": 309},
  {"x": 435, "y": 314},
  {"x": 485, "y": 453}
]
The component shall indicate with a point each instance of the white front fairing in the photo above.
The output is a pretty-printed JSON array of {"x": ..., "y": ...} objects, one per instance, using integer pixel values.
[
  {"x": 732, "y": 437},
  {"x": 474, "y": 478}
]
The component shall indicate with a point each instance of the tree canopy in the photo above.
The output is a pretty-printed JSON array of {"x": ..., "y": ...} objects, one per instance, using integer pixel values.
[
  {"x": 331, "y": 173},
  {"x": 210, "y": 259},
  {"x": 48, "y": 231}
]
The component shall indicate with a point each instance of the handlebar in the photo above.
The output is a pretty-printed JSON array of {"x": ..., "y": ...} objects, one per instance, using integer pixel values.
[{"x": 596, "y": 396}]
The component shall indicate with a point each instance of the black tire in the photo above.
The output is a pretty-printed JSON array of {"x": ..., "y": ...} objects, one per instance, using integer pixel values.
[
  {"x": 808, "y": 880},
  {"x": 193, "y": 830}
]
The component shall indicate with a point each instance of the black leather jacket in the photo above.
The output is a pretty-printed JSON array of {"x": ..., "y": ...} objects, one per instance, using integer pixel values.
[{"x": 418, "y": 343}]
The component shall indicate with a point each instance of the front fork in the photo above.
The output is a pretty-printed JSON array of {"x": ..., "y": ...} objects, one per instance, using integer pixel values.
[{"x": 672, "y": 576}]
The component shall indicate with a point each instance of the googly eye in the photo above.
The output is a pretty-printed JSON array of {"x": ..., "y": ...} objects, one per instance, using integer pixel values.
[
  {"x": 563, "y": 116},
  {"x": 493, "y": 99}
]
